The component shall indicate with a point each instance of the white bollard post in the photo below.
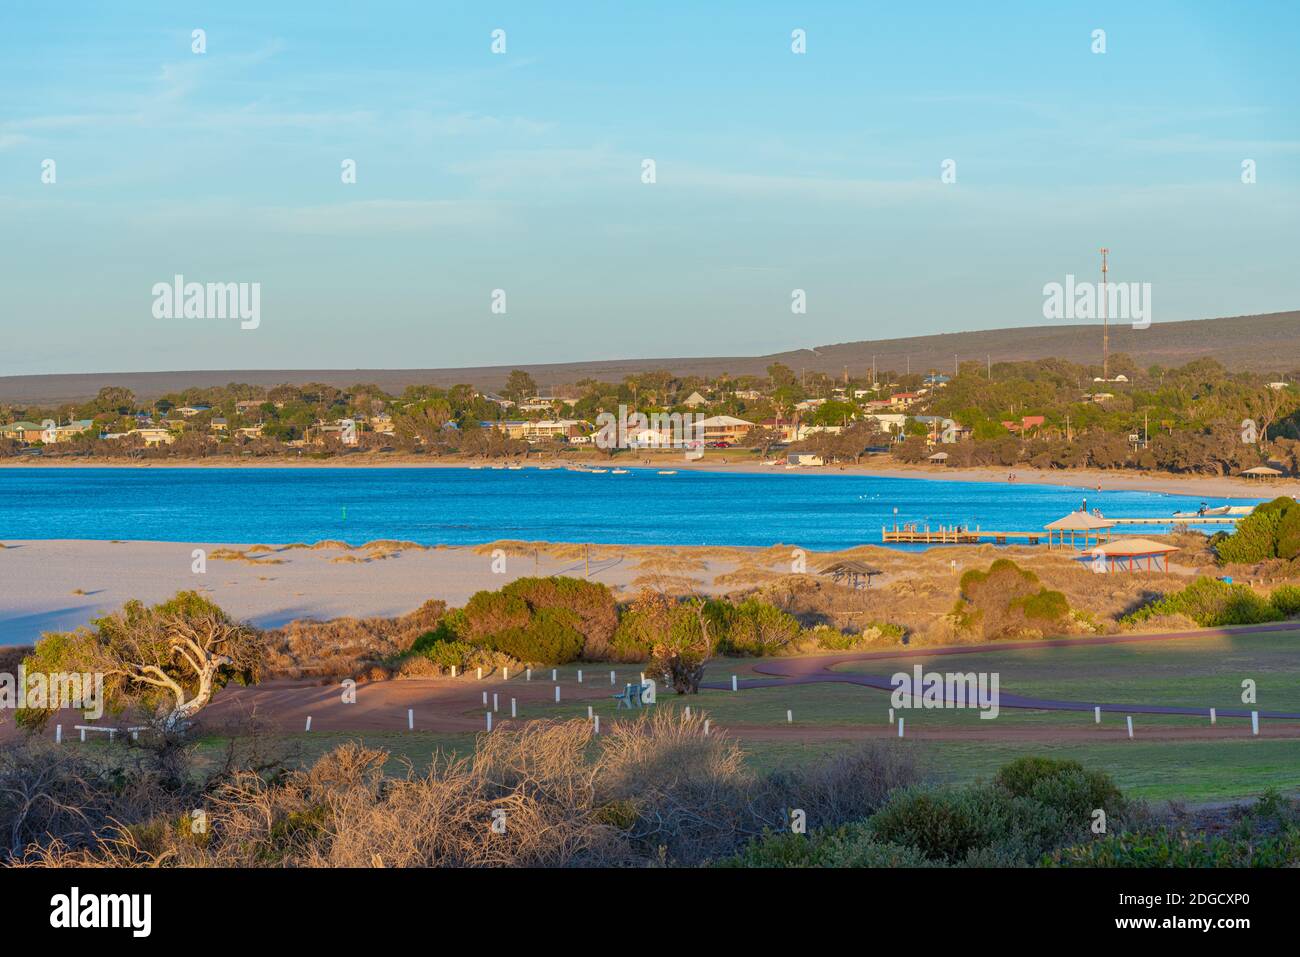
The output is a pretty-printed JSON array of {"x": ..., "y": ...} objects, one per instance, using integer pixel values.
[
  {"x": 706, "y": 726},
  {"x": 58, "y": 734},
  {"x": 494, "y": 702},
  {"x": 589, "y": 712},
  {"x": 643, "y": 677},
  {"x": 1254, "y": 722},
  {"x": 611, "y": 678},
  {"x": 733, "y": 683},
  {"x": 579, "y": 676},
  {"x": 453, "y": 671},
  {"x": 485, "y": 699},
  {"x": 513, "y": 712},
  {"x": 789, "y": 716},
  {"x": 1096, "y": 714},
  {"x": 489, "y": 720},
  {"x": 557, "y": 694},
  {"x": 410, "y": 719},
  {"x": 83, "y": 730},
  {"x": 1214, "y": 716},
  {"x": 528, "y": 675},
  {"x": 688, "y": 711},
  {"x": 1130, "y": 726},
  {"x": 83, "y": 734},
  {"x": 900, "y": 726},
  {"x": 596, "y": 729},
  {"x": 505, "y": 674},
  {"x": 553, "y": 674},
  {"x": 480, "y": 673},
  {"x": 891, "y": 715}
]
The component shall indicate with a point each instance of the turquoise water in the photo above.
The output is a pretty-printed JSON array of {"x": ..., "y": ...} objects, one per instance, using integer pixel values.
[{"x": 457, "y": 506}]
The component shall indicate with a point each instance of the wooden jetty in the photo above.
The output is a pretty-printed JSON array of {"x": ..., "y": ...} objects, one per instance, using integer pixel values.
[
  {"x": 915, "y": 533},
  {"x": 912, "y": 533}
]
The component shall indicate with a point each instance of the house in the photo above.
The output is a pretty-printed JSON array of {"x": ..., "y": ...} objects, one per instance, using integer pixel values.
[
  {"x": 190, "y": 411},
  {"x": 807, "y": 405},
  {"x": 888, "y": 421},
  {"x": 1027, "y": 424},
  {"x": 154, "y": 436},
  {"x": 786, "y": 430},
  {"x": 550, "y": 429},
  {"x": 250, "y": 432},
  {"x": 806, "y": 430},
  {"x": 251, "y": 407},
  {"x": 382, "y": 423},
  {"x": 220, "y": 425},
  {"x": 1276, "y": 386},
  {"x": 498, "y": 399},
  {"x": 21, "y": 431},
  {"x": 66, "y": 433},
  {"x": 694, "y": 401},
  {"x": 936, "y": 381},
  {"x": 748, "y": 394},
  {"x": 723, "y": 428},
  {"x": 901, "y": 400},
  {"x": 511, "y": 428}
]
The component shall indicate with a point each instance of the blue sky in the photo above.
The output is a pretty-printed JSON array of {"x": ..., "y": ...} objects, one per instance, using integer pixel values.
[{"x": 522, "y": 172}]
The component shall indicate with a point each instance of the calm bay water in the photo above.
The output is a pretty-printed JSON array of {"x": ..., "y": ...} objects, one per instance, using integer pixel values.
[{"x": 465, "y": 506}]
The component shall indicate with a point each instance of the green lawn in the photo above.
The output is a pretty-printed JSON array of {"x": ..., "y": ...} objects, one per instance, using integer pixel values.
[
  {"x": 1201, "y": 672},
  {"x": 1198, "y": 673}
]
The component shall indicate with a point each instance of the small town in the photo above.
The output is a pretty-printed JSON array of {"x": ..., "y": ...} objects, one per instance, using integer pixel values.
[{"x": 1197, "y": 419}]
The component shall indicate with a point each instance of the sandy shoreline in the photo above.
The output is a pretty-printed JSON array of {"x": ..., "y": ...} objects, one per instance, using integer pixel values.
[
  {"x": 1194, "y": 485},
  {"x": 62, "y": 584}
]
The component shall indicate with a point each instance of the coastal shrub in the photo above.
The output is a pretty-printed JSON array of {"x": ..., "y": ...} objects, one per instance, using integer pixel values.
[
  {"x": 1066, "y": 786},
  {"x": 1272, "y": 530},
  {"x": 755, "y": 628},
  {"x": 551, "y": 637},
  {"x": 1175, "y": 847},
  {"x": 849, "y": 846},
  {"x": 592, "y": 602},
  {"x": 652, "y": 617},
  {"x": 488, "y": 613},
  {"x": 445, "y": 653},
  {"x": 872, "y": 634},
  {"x": 1285, "y": 599},
  {"x": 983, "y": 825},
  {"x": 1007, "y": 600},
  {"x": 1211, "y": 603}
]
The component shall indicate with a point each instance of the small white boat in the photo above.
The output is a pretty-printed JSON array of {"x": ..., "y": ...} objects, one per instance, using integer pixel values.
[
  {"x": 514, "y": 468},
  {"x": 619, "y": 472},
  {"x": 597, "y": 471},
  {"x": 667, "y": 471}
]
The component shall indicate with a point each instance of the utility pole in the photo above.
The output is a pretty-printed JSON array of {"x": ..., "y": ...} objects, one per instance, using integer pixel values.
[
  {"x": 1105, "y": 321},
  {"x": 989, "y": 359},
  {"x": 873, "y": 370}
]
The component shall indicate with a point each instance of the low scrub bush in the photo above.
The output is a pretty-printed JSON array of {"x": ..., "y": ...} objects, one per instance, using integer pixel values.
[
  {"x": 1008, "y": 601},
  {"x": 1175, "y": 847},
  {"x": 1210, "y": 603}
]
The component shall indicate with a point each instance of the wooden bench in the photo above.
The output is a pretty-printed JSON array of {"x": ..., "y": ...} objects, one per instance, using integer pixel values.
[
  {"x": 83, "y": 728},
  {"x": 629, "y": 697}
]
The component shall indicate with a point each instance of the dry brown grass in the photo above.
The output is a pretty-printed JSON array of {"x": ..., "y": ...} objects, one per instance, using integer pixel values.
[
  {"x": 657, "y": 790},
  {"x": 344, "y": 646}
]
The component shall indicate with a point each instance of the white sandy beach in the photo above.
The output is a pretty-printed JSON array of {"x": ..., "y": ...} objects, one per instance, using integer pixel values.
[{"x": 58, "y": 585}]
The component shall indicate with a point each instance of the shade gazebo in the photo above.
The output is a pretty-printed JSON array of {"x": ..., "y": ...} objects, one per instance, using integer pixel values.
[
  {"x": 1133, "y": 550},
  {"x": 1080, "y": 523},
  {"x": 851, "y": 571},
  {"x": 1261, "y": 472}
]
